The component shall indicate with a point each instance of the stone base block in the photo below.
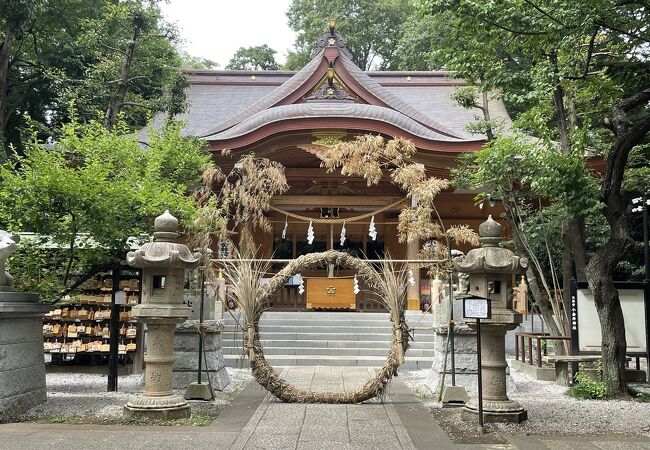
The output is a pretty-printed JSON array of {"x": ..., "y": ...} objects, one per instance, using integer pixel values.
[
  {"x": 158, "y": 413},
  {"x": 16, "y": 405},
  {"x": 219, "y": 379},
  {"x": 495, "y": 417},
  {"x": 539, "y": 373},
  {"x": 454, "y": 396},
  {"x": 198, "y": 391},
  {"x": 495, "y": 411}
]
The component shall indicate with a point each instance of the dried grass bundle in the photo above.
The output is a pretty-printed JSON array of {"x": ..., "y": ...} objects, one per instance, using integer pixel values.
[
  {"x": 244, "y": 275},
  {"x": 237, "y": 198},
  {"x": 391, "y": 287},
  {"x": 463, "y": 234}
]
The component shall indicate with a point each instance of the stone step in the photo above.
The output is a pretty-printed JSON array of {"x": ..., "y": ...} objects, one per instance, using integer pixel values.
[
  {"x": 331, "y": 351},
  {"x": 269, "y": 336},
  {"x": 329, "y": 317},
  {"x": 324, "y": 343},
  {"x": 329, "y": 323},
  {"x": 330, "y": 338},
  {"x": 339, "y": 360},
  {"x": 310, "y": 329}
]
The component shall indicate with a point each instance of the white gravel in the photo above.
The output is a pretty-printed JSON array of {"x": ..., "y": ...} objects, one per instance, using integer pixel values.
[
  {"x": 552, "y": 412},
  {"x": 83, "y": 395}
]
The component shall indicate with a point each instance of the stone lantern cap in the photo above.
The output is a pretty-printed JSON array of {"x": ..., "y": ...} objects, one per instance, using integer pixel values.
[
  {"x": 164, "y": 251},
  {"x": 490, "y": 257}
]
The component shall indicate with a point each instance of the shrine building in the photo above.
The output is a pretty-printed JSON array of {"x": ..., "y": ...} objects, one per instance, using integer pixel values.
[{"x": 279, "y": 114}]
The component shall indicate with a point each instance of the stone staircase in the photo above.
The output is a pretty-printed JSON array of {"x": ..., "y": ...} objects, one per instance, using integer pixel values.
[{"x": 329, "y": 339}]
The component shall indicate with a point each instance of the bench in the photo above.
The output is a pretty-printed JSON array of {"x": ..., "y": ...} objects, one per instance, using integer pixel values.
[{"x": 562, "y": 365}]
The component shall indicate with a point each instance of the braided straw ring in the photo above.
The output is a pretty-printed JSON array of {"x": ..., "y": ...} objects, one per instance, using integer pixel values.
[{"x": 268, "y": 378}]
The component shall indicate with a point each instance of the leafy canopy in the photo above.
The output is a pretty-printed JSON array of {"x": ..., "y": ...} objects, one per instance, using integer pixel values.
[
  {"x": 372, "y": 29},
  {"x": 95, "y": 188},
  {"x": 261, "y": 57}
]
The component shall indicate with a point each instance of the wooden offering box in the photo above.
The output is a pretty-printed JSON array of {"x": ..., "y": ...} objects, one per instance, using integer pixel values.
[{"x": 330, "y": 293}]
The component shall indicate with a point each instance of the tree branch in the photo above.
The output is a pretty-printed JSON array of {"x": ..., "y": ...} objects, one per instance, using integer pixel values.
[{"x": 544, "y": 12}]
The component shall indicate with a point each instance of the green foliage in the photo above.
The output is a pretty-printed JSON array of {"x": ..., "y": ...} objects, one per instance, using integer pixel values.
[
  {"x": 73, "y": 50},
  {"x": 91, "y": 191},
  {"x": 587, "y": 388},
  {"x": 261, "y": 57},
  {"x": 372, "y": 28},
  {"x": 194, "y": 62},
  {"x": 517, "y": 166}
]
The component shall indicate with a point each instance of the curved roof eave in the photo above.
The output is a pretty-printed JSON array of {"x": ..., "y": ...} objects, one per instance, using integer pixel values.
[
  {"x": 390, "y": 99},
  {"x": 272, "y": 97},
  {"x": 350, "y": 111}
]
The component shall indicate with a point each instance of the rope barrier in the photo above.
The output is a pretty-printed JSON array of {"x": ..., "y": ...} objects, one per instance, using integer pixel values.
[{"x": 340, "y": 220}]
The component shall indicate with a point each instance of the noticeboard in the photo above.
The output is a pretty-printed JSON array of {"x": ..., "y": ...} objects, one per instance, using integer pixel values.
[
  {"x": 585, "y": 324},
  {"x": 475, "y": 307}
]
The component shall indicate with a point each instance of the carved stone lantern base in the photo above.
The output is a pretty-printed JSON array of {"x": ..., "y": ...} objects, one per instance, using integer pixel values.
[
  {"x": 171, "y": 407},
  {"x": 495, "y": 411}
]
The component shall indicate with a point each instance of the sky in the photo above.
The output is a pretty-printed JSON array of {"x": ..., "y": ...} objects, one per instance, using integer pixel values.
[{"x": 215, "y": 29}]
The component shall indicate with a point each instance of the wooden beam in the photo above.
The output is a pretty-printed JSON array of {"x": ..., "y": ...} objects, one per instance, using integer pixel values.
[{"x": 333, "y": 201}]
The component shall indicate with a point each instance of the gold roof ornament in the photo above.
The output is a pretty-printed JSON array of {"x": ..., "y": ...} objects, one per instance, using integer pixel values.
[{"x": 332, "y": 25}]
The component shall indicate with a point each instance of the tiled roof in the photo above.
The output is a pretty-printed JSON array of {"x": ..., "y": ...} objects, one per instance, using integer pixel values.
[
  {"x": 228, "y": 104},
  {"x": 329, "y": 110}
]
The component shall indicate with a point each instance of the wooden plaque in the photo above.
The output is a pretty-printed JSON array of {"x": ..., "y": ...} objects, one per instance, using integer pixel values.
[{"x": 330, "y": 293}]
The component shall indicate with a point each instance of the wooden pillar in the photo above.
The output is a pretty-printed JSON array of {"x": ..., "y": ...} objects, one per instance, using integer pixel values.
[{"x": 413, "y": 293}]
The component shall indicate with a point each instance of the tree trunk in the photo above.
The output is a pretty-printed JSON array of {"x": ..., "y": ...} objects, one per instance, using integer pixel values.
[
  {"x": 599, "y": 274},
  {"x": 5, "y": 55},
  {"x": 117, "y": 103},
  {"x": 567, "y": 274},
  {"x": 612, "y": 327},
  {"x": 601, "y": 266},
  {"x": 577, "y": 243},
  {"x": 543, "y": 303}
]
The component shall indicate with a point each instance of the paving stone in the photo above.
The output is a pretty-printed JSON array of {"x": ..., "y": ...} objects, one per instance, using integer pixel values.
[
  {"x": 277, "y": 441},
  {"x": 366, "y": 411},
  {"x": 325, "y": 432},
  {"x": 375, "y": 441},
  {"x": 616, "y": 445},
  {"x": 567, "y": 445},
  {"x": 377, "y": 427}
]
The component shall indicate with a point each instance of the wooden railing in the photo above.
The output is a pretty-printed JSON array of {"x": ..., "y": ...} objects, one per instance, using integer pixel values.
[{"x": 520, "y": 345}]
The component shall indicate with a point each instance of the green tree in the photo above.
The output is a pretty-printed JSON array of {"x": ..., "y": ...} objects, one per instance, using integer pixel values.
[
  {"x": 372, "y": 29},
  {"x": 196, "y": 62},
  {"x": 261, "y": 57},
  {"x": 114, "y": 57},
  {"x": 578, "y": 72},
  {"x": 91, "y": 191}
]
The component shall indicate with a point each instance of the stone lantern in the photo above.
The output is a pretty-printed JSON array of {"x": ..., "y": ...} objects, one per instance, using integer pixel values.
[
  {"x": 491, "y": 269},
  {"x": 163, "y": 262}
]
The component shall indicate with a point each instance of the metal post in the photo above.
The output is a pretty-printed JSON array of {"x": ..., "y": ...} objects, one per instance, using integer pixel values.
[
  {"x": 451, "y": 318},
  {"x": 646, "y": 250},
  {"x": 480, "y": 376},
  {"x": 201, "y": 324},
  {"x": 114, "y": 332}
]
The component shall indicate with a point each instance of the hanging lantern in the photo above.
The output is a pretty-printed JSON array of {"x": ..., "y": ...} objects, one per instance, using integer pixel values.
[
  {"x": 356, "y": 286},
  {"x": 342, "y": 240},
  {"x": 372, "y": 231},
  {"x": 310, "y": 233}
]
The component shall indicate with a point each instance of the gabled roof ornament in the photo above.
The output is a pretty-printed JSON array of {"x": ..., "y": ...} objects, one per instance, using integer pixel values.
[{"x": 332, "y": 39}]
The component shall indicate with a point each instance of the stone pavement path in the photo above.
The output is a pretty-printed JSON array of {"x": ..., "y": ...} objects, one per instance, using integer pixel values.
[
  {"x": 297, "y": 426},
  {"x": 255, "y": 420}
]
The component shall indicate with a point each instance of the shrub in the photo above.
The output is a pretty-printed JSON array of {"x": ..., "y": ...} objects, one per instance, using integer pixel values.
[{"x": 586, "y": 387}]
